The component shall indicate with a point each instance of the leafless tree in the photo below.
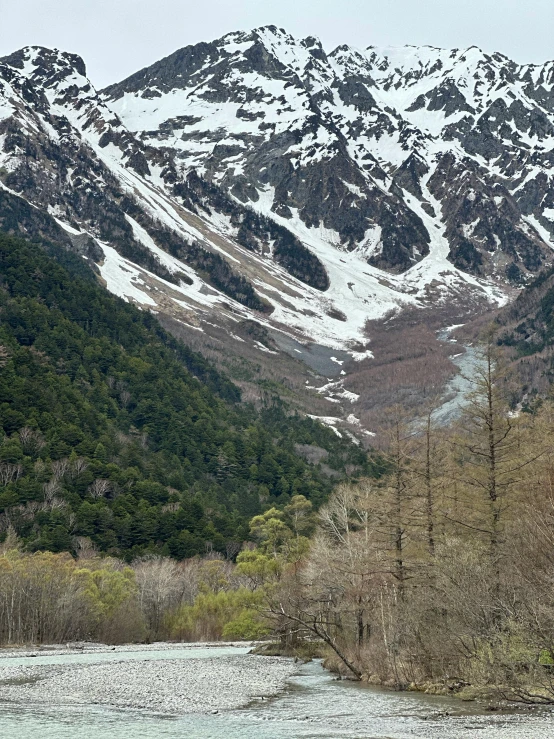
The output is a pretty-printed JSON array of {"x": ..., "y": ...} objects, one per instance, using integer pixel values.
[
  {"x": 10, "y": 472},
  {"x": 161, "y": 588},
  {"x": 78, "y": 466},
  {"x": 4, "y": 355},
  {"x": 51, "y": 489},
  {"x": 60, "y": 468},
  {"x": 31, "y": 440},
  {"x": 100, "y": 488}
]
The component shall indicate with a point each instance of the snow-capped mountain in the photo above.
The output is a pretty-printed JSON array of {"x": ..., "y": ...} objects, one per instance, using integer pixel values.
[{"x": 260, "y": 177}]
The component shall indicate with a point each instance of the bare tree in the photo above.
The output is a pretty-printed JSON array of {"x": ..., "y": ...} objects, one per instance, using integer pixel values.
[
  {"x": 399, "y": 493},
  {"x": 161, "y": 588},
  {"x": 78, "y": 466},
  {"x": 4, "y": 355},
  {"x": 51, "y": 489},
  {"x": 490, "y": 459},
  {"x": 100, "y": 488},
  {"x": 10, "y": 472},
  {"x": 31, "y": 440},
  {"x": 60, "y": 468}
]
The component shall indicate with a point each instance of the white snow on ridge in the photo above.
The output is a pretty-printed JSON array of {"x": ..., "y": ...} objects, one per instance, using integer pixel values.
[
  {"x": 330, "y": 421},
  {"x": 360, "y": 356},
  {"x": 357, "y": 290}
]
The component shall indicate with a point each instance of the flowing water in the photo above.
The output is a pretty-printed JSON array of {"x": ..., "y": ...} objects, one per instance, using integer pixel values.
[
  {"x": 314, "y": 705},
  {"x": 468, "y": 362}
]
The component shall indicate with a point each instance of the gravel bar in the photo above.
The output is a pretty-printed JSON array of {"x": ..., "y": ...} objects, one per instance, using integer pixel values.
[{"x": 171, "y": 686}]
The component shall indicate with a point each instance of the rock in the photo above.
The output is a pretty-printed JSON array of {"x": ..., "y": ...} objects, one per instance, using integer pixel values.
[{"x": 171, "y": 686}]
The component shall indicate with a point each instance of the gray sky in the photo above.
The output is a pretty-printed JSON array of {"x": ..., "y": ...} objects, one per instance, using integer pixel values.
[{"x": 118, "y": 37}]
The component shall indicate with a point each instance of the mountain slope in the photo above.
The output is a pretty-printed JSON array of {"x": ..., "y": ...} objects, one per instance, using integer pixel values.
[
  {"x": 526, "y": 330},
  {"x": 188, "y": 223},
  {"x": 342, "y": 141},
  {"x": 274, "y": 203},
  {"x": 113, "y": 430}
]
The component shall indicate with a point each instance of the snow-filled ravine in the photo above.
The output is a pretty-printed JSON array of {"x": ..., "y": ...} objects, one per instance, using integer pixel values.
[{"x": 94, "y": 695}]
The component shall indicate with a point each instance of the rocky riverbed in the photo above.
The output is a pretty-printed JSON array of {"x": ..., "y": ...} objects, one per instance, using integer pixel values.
[{"x": 170, "y": 679}]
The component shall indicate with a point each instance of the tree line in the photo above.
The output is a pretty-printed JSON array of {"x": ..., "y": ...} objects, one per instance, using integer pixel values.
[{"x": 55, "y": 598}]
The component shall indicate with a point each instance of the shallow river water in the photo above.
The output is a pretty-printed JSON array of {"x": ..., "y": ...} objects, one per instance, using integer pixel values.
[
  {"x": 460, "y": 386},
  {"x": 313, "y": 705}
]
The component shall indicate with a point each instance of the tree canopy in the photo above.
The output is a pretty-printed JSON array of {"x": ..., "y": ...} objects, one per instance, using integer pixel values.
[{"x": 112, "y": 429}]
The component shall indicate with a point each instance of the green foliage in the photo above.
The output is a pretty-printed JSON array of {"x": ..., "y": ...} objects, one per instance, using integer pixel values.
[
  {"x": 299, "y": 515},
  {"x": 237, "y": 613},
  {"x": 228, "y": 613},
  {"x": 113, "y": 430},
  {"x": 247, "y": 625},
  {"x": 270, "y": 531},
  {"x": 106, "y": 589},
  {"x": 546, "y": 658},
  {"x": 257, "y": 567},
  {"x": 59, "y": 599}
]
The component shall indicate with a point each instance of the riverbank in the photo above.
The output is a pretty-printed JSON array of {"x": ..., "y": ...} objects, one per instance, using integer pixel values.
[
  {"x": 490, "y": 697},
  {"x": 161, "y": 678}
]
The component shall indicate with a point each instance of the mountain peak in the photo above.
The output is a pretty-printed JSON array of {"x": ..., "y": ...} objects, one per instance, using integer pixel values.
[
  {"x": 317, "y": 190},
  {"x": 44, "y": 62}
]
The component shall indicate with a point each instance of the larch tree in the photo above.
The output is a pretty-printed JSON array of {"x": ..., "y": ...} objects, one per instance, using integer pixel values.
[{"x": 489, "y": 459}]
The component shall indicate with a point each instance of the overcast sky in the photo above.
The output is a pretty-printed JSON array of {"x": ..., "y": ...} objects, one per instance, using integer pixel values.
[{"x": 118, "y": 37}]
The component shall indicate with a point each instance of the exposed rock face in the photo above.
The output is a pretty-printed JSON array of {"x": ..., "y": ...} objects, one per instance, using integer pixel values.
[
  {"x": 260, "y": 175},
  {"x": 265, "y": 121},
  {"x": 337, "y": 141}
]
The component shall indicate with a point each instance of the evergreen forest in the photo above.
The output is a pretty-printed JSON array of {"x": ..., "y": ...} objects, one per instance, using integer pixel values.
[{"x": 114, "y": 432}]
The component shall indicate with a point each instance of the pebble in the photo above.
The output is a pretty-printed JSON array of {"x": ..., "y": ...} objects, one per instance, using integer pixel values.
[{"x": 169, "y": 686}]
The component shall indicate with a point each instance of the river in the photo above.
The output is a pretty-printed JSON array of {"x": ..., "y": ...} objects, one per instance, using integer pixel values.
[
  {"x": 467, "y": 361},
  {"x": 313, "y": 704}
]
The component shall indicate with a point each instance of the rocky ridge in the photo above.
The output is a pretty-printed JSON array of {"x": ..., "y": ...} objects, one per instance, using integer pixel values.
[
  {"x": 353, "y": 142},
  {"x": 260, "y": 178}
]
